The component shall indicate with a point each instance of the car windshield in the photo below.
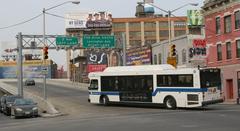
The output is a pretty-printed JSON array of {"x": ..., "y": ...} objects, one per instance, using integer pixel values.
[
  {"x": 11, "y": 98},
  {"x": 23, "y": 102}
]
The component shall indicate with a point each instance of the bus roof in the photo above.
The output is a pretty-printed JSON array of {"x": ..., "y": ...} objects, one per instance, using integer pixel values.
[{"x": 139, "y": 68}]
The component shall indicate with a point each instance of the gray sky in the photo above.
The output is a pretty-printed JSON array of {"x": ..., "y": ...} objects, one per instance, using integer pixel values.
[{"x": 15, "y": 11}]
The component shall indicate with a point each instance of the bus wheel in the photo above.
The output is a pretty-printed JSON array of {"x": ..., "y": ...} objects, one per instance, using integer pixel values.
[
  {"x": 104, "y": 100},
  {"x": 170, "y": 103}
]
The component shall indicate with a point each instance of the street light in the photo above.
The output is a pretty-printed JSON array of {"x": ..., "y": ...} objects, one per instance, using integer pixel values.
[
  {"x": 169, "y": 12},
  {"x": 44, "y": 35}
]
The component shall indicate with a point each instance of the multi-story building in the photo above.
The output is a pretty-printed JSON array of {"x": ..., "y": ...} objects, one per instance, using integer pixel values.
[
  {"x": 148, "y": 30},
  {"x": 222, "y": 21}
]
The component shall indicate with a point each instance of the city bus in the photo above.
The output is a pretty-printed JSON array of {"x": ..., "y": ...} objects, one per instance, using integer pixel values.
[{"x": 156, "y": 84}]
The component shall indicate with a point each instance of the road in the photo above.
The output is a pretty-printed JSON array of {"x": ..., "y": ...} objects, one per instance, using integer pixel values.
[
  {"x": 90, "y": 117},
  {"x": 216, "y": 118}
]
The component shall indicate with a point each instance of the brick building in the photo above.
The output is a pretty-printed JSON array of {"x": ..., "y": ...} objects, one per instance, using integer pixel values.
[{"x": 222, "y": 21}]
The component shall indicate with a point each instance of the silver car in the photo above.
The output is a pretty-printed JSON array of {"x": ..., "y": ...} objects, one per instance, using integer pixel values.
[{"x": 24, "y": 108}]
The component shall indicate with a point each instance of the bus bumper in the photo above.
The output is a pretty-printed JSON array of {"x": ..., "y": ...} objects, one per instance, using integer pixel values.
[{"x": 212, "y": 102}]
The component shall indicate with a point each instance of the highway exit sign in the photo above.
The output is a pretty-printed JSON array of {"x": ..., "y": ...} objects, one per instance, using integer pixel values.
[
  {"x": 66, "y": 41},
  {"x": 98, "y": 41}
]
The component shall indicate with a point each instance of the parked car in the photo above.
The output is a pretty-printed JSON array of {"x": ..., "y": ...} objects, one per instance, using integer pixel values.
[
  {"x": 8, "y": 102},
  {"x": 29, "y": 82},
  {"x": 24, "y": 108},
  {"x": 1, "y": 102}
]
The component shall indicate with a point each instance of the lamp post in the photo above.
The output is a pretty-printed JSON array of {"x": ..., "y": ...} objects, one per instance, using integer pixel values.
[
  {"x": 169, "y": 12},
  {"x": 44, "y": 37}
]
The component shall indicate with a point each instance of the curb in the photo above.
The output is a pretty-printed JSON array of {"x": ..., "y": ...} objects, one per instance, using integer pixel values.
[{"x": 47, "y": 115}]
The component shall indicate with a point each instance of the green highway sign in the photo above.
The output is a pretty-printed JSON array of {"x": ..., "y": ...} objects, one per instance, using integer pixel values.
[
  {"x": 98, "y": 41},
  {"x": 66, "y": 41}
]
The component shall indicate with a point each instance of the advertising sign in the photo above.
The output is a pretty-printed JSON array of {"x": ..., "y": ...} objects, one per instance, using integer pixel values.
[
  {"x": 99, "y": 20},
  {"x": 199, "y": 50},
  {"x": 139, "y": 56},
  {"x": 194, "y": 17},
  {"x": 94, "y": 58},
  {"x": 76, "y": 20},
  {"x": 96, "y": 68},
  {"x": 31, "y": 69},
  {"x": 98, "y": 41}
]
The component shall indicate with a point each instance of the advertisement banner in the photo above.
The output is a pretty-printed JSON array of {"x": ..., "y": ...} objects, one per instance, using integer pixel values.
[
  {"x": 28, "y": 72},
  {"x": 94, "y": 57},
  {"x": 99, "y": 20},
  {"x": 96, "y": 68},
  {"x": 76, "y": 20},
  {"x": 194, "y": 17},
  {"x": 31, "y": 69},
  {"x": 139, "y": 56}
]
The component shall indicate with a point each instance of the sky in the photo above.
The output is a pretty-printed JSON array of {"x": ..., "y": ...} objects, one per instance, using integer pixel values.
[{"x": 15, "y": 11}]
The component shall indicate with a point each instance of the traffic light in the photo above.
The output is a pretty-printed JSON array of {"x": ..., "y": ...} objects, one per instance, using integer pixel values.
[
  {"x": 45, "y": 52},
  {"x": 173, "y": 51}
]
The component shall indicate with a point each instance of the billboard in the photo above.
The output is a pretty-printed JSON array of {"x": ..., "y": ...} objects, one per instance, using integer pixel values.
[
  {"x": 94, "y": 57},
  {"x": 139, "y": 56},
  {"x": 76, "y": 20},
  {"x": 194, "y": 17},
  {"x": 99, "y": 20},
  {"x": 31, "y": 69}
]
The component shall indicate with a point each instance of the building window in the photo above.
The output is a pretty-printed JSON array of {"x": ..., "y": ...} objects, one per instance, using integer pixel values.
[
  {"x": 179, "y": 33},
  {"x": 227, "y": 24},
  {"x": 229, "y": 50},
  {"x": 155, "y": 59},
  {"x": 218, "y": 25},
  {"x": 237, "y": 19},
  {"x": 160, "y": 58},
  {"x": 238, "y": 48},
  {"x": 134, "y": 26},
  {"x": 184, "y": 56},
  {"x": 219, "y": 52}
]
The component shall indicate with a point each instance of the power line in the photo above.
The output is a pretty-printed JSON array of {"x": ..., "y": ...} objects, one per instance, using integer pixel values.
[{"x": 20, "y": 23}]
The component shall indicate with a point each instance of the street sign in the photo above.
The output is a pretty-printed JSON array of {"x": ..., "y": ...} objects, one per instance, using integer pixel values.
[
  {"x": 99, "y": 41},
  {"x": 66, "y": 41}
]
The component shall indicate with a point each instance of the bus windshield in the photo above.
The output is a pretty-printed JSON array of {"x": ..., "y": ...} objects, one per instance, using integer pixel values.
[{"x": 210, "y": 78}]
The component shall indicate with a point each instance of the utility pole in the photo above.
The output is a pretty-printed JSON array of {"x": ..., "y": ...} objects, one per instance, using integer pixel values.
[
  {"x": 19, "y": 65},
  {"x": 124, "y": 48}
]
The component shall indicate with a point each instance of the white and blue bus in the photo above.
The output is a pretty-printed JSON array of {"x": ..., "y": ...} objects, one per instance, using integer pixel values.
[{"x": 156, "y": 84}]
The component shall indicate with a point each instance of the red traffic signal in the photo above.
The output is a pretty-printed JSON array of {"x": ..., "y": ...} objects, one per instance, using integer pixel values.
[{"x": 45, "y": 52}]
